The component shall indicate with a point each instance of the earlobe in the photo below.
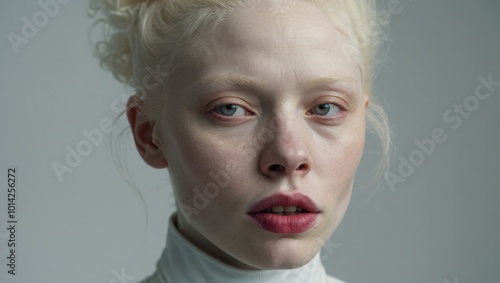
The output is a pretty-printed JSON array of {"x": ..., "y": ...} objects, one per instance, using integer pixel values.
[
  {"x": 367, "y": 101},
  {"x": 145, "y": 134}
]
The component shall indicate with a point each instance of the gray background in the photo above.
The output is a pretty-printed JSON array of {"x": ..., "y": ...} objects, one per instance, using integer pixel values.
[{"x": 440, "y": 225}]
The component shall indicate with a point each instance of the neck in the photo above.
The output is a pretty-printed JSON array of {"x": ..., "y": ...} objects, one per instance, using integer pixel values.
[
  {"x": 202, "y": 243},
  {"x": 183, "y": 261}
]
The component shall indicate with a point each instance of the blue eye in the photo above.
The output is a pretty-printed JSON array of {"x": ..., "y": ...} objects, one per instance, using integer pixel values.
[
  {"x": 230, "y": 110},
  {"x": 326, "y": 109}
]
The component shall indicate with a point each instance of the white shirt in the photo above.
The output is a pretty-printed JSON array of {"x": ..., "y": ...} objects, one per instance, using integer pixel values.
[{"x": 183, "y": 262}]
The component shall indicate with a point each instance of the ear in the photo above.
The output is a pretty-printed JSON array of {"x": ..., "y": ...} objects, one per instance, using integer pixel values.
[
  {"x": 143, "y": 130},
  {"x": 367, "y": 100}
]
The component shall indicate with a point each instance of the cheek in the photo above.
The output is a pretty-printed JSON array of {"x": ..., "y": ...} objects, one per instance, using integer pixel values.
[
  {"x": 338, "y": 163},
  {"x": 204, "y": 167},
  {"x": 341, "y": 157}
]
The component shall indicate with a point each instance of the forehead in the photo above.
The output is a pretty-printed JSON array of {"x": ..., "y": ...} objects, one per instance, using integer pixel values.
[
  {"x": 279, "y": 23},
  {"x": 281, "y": 44}
]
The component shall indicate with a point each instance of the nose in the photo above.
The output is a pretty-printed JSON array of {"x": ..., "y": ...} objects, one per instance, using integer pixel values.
[{"x": 287, "y": 153}]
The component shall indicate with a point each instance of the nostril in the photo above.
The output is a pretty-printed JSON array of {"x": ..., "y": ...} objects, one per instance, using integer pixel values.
[
  {"x": 302, "y": 167},
  {"x": 276, "y": 168}
]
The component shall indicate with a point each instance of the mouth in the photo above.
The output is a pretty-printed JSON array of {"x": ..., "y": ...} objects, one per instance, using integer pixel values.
[
  {"x": 285, "y": 210},
  {"x": 285, "y": 204},
  {"x": 285, "y": 214}
]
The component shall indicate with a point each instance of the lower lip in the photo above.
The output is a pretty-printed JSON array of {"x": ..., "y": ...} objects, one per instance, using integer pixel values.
[{"x": 284, "y": 224}]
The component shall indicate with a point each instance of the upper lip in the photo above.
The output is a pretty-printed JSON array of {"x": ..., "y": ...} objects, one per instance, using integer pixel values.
[{"x": 281, "y": 199}]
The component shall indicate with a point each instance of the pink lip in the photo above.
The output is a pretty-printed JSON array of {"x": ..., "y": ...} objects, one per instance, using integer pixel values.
[{"x": 285, "y": 224}]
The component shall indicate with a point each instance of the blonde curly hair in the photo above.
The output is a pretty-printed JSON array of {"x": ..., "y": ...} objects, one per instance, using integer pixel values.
[{"x": 161, "y": 35}]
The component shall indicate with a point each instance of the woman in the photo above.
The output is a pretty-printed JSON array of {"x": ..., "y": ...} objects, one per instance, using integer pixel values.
[{"x": 257, "y": 109}]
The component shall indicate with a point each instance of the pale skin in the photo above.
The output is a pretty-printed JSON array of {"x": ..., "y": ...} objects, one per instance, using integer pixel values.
[{"x": 282, "y": 73}]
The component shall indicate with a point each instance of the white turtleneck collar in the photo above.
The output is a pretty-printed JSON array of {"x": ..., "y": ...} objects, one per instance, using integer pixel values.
[{"x": 183, "y": 262}]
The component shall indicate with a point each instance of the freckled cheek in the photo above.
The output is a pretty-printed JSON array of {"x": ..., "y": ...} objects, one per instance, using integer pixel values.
[
  {"x": 206, "y": 163},
  {"x": 340, "y": 162}
]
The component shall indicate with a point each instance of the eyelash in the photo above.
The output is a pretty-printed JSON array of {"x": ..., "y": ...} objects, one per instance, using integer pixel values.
[
  {"x": 220, "y": 107},
  {"x": 223, "y": 117},
  {"x": 323, "y": 104},
  {"x": 342, "y": 110}
]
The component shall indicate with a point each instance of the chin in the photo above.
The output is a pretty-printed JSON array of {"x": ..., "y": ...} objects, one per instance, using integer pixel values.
[
  {"x": 285, "y": 263},
  {"x": 285, "y": 255}
]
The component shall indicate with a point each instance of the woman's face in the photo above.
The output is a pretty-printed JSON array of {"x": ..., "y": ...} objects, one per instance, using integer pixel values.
[{"x": 273, "y": 108}]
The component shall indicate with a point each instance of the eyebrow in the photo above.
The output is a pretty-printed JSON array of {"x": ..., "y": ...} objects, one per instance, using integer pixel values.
[
  {"x": 342, "y": 84},
  {"x": 227, "y": 82}
]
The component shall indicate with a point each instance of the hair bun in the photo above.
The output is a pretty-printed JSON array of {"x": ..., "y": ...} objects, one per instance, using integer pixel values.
[{"x": 116, "y": 19}]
